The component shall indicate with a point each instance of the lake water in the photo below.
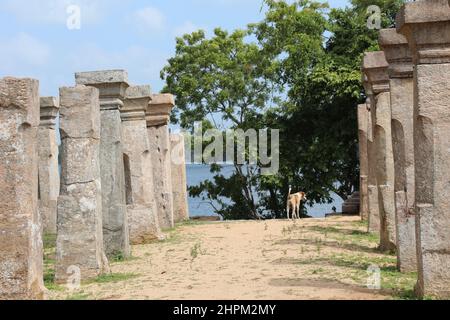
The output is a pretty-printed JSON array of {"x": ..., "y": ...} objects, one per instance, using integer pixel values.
[{"x": 199, "y": 173}]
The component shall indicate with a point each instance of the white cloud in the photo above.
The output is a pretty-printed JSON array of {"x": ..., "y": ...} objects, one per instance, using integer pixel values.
[
  {"x": 54, "y": 11},
  {"x": 148, "y": 19},
  {"x": 187, "y": 27},
  {"x": 23, "y": 51}
]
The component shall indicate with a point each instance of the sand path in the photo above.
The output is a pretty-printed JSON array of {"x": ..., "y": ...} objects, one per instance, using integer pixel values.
[{"x": 312, "y": 259}]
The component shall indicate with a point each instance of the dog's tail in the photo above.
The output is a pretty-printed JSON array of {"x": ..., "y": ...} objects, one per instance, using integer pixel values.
[{"x": 289, "y": 193}]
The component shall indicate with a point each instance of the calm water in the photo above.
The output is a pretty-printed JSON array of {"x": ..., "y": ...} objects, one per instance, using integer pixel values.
[{"x": 199, "y": 173}]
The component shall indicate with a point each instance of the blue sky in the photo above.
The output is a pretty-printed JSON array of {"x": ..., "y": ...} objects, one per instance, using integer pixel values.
[{"x": 135, "y": 35}]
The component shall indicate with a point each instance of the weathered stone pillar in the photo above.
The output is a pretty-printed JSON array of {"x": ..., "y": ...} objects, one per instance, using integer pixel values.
[
  {"x": 426, "y": 25},
  {"x": 179, "y": 183},
  {"x": 21, "y": 275},
  {"x": 80, "y": 238},
  {"x": 48, "y": 164},
  {"x": 158, "y": 116},
  {"x": 140, "y": 193},
  {"x": 372, "y": 188},
  {"x": 363, "y": 127},
  {"x": 375, "y": 67},
  {"x": 400, "y": 71},
  {"x": 112, "y": 86}
]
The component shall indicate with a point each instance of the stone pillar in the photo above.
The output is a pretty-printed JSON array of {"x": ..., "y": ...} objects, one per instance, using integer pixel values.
[
  {"x": 400, "y": 71},
  {"x": 140, "y": 193},
  {"x": 375, "y": 67},
  {"x": 21, "y": 275},
  {"x": 179, "y": 183},
  {"x": 372, "y": 188},
  {"x": 112, "y": 86},
  {"x": 363, "y": 127},
  {"x": 158, "y": 116},
  {"x": 80, "y": 238},
  {"x": 426, "y": 25},
  {"x": 48, "y": 164}
]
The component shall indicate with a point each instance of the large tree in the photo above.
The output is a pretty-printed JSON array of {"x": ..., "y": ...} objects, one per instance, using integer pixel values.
[
  {"x": 320, "y": 69},
  {"x": 225, "y": 83},
  {"x": 306, "y": 56}
]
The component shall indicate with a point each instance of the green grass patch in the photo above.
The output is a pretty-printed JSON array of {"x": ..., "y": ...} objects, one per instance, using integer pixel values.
[
  {"x": 115, "y": 277},
  {"x": 197, "y": 250},
  {"x": 79, "y": 296},
  {"x": 49, "y": 241},
  {"x": 188, "y": 223},
  {"x": 353, "y": 236},
  {"x": 118, "y": 257},
  {"x": 361, "y": 224},
  {"x": 400, "y": 284}
]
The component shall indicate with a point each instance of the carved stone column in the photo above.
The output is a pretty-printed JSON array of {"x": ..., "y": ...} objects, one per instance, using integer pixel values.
[
  {"x": 179, "y": 183},
  {"x": 112, "y": 85},
  {"x": 21, "y": 276},
  {"x": 79, "y": 243},
  {"x": 400, "y": 71},
  {"x": 140, "y": 193},
  {"x": 48, "y": 163},
  {"x": 158, "y": 116},
  {"x": 426, "y": 25},
  {"x": 363, "y": 127},
  {"x": 375, "y": 67},
  {"x": 372, "y": 188}
]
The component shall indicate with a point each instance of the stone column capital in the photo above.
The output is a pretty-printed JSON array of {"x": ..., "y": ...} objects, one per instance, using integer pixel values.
[
  {"x": 397, "y": 53},
  {"x": 375, "y": 68},
  {"x": 49, "y": 107},
  {"x": 112, "y": 85},
  {"x": 159, "y": 109},
  {"x": 136, "y": 102},
  {"x": 426, "y": 25}
]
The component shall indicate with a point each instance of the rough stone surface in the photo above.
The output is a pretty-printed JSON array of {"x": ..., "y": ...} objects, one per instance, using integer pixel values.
[
  {"x": 375, "y": 68},
  {"x": 363, "y": 127},
  {"x": 400, "y": 71},
  {"x": 140, "y": 193},
  {"x": 179, "y": 183},
  {"x": 48, "y": 163},
  {"x": 79, "y": 224},
  {"x": 101, "y": 77},
  {"x": 372, "y": 188},
  {"x": 112, "y": 85},
  {"x": 385, "y": 171},
  {"x": 158, "y": 116},
  {"x": 21, "y": 275},
  {"x": 426, "y": 25}
]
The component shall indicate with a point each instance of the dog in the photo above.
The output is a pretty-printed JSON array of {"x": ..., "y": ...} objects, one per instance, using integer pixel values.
[{"x": 293, "y": 202}]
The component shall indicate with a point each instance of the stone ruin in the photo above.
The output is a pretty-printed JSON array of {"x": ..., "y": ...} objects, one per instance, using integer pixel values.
[
  {"x": 407, "y": 87},
  {"x": 21, "y": 255},
  {"x": 118, "y": 184},
  {"x": 113, "y": 188}
]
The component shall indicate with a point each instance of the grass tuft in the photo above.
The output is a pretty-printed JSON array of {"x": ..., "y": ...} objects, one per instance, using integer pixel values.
[{"x": 114, "y": 277}]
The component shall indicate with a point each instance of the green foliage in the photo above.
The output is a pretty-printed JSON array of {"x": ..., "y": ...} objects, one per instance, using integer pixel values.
[
  {"x": 115, "y": 277},
  {"x": 297, "y": 70}
]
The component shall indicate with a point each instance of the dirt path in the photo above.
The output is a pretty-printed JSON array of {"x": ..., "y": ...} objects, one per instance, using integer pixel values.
[{"x": 312, "y": 259}]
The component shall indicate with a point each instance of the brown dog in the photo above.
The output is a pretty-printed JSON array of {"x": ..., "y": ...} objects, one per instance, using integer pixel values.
[{"x": 293, "y": 202}]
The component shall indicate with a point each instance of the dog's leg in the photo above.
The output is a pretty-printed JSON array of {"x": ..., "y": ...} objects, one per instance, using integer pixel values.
[{"x": 287, "y": 211}]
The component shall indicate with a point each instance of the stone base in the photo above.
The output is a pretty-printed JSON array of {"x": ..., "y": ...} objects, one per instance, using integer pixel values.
[
  {"x": 406, "y": 234},
  {"x": 142, "y": 224},
  {"x": 374, "y": 210}
]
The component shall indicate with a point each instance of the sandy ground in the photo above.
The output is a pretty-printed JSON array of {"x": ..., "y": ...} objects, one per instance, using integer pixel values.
[{"x": 311, "y": 259}]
